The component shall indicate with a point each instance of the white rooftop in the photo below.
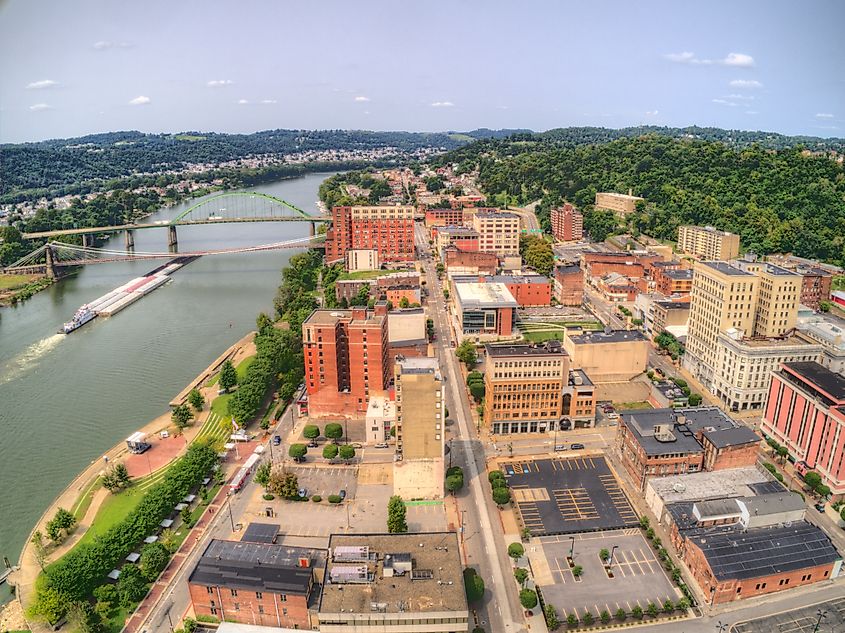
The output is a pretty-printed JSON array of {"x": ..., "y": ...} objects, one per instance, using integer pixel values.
[
  {"x": 732, "y": 482},
  {"x": 475, "y": 295}
]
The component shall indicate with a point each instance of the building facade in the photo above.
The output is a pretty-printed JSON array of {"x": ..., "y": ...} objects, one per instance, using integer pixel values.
[
  {"x": 614, "y": 356},
  {"x": 468, "y": 262},
  {"x": 444, "y": 217},
  {"x": 617, "y": 202},
  {"x": 806, "y": 413},
  {"x": 569, "y": 285},
  {"x": 708, "y": 243},
  {"x": 484, "y": 309},
  {"x": 498, "y": 232},
  {"x": 567, "y": 223},
  {"x": 389, "y": 230}
]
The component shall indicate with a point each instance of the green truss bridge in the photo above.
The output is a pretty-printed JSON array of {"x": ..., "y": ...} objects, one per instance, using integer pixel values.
[{"x": 223, "y": 208}]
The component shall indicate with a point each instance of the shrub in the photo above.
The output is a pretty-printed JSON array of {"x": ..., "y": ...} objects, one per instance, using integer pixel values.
[
  {"x": 268, "y": 496},
  {"x": 501, "y": 495},
  {"x": 528, "y": 598},
  {"x": 516, "y": 550},
  {"x": 604, "y": 616},
  {"x": 652, "y": 609},
  {"x": 668, "y": 606},
  {"x": 637, "y": 612},
  {"x": 683, "y": 604},
  {"x": 154, "y": 558},
  {"x": 473, "y": 584},
  {"x": 334, "y": 499},
  {"x": 316, "y": 498},
  {"x": 552, "y": 622},
  {"x": 577, "y": 571},
  {"x": 649, "y": 533},
  {"x": 495, "y": 476},
  {"x": 521, "y": 575},
  {"x": 587, "y": 618},
  {"x": 656, "y": 543},
  {"x": 621, "y": 614},
  {"x": 644, "y": 522},
  {"x": 572, "y": 620}
]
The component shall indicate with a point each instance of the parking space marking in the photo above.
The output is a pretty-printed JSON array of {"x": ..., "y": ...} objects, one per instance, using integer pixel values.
[{"x": 575, "y": 504}]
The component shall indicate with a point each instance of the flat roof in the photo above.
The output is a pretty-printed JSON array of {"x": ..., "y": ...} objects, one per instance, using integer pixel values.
[
  {"x": 458, "y": 230},
  {"x": 773, "y": 503},
  {"x": 734, "y": 554},
  {"x": 614, "y": 336},
  {"x": 618, "y": 195},
  {"x": 731, "y": 482},
  {"x": 727, "y": 269},
  {"x": 496, "y": 214},
  {"x": 673, "y": 305},
  {"x": 684, "y": 424},
  {"x": 330, "y": 317},
  {"x": 477, "y": 295},
  {"x": 524, "y": 349},
  {"x": 738, "y": 436},
  {"x": 828, "y": 381},
  {"x": 418, "y": 364},
  {"x": 256, "y": 566},
  {"x": 261, "y": 533},
  {"x": 678, "y": 273},
  {"x": 520, "y": 279},
  {"x": 708, "y": 229},
  {"x": 434, "y": 585}
]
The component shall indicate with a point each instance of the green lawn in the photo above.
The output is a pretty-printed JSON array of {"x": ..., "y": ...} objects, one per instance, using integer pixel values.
[
  {"x": 240, "y": 370},
  {"x": 541, "y": 336},
  {"x": 363, "y": 274},
  {"x": 220, "y": 405},
  {"x": 114, "y": 509},
  {"x": 623, "y": 406},
  {"x": 838, "y": 283},
  {"x": 84, "y": 502},
  {"x": 8, "y": 282}
]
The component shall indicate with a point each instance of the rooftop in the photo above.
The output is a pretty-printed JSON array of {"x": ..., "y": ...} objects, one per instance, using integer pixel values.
[
  {"x": 520, "y": 279},
  {"x": 434, "y": 584},
  {"x": 678, "y": 273},
  {"x": 731, "y": 482},
  {"x": 614, "y": 336},
  {"x": 496, "y": 214},
  {"x": 738, "y": 436},
  {"x": 256, "y": 567},
  {"x": 418, "y": 365},
  {"x": 773, "y": 503},
  {"x": 727, "y": 269},
  {"x": 457, "y": 230},
  {"x": 826, "y": 380},
  {"x": 475, "y": 295},
  {"x": 708, "y": 229},
  {"x": 619, "y": 195},
  {"x": 330, "y": 317},
  {"x": 673, "y": 305},
  {"x": 829, "y": 330},
  {"x": 683, "y": 425},
  {"x": 526, "y": 349}
]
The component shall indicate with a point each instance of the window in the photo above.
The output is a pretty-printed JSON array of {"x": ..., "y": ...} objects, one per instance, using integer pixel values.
[
  {"x": 261, "y": 609},
  {"x": 209, "y": 590},
  {"x": 283, "y": 598},
  {"x": 234, "y": 592},
  {"x": 284, "y": 611},
  {"x": 237, "y": 606},
  {"x": 259, "y": 595}
]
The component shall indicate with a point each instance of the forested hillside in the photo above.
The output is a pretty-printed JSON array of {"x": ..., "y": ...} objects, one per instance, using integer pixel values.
[{"x": 782, "y": 200}]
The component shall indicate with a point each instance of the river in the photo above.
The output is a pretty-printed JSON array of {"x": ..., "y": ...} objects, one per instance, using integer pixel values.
[{"x": 66, "y": 399}]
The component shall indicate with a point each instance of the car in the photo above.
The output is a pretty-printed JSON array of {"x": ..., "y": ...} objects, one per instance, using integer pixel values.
[
  {"x": 560, "y": 447},
  {"x": 303, "y": 492},
  {"x": 222, "y": 391},
  {"x": 164, "y": 434},
  {"x": 277, "y": 439},
  {"x": 357, "y": 445},
  {"x": 577, "y": 447},
  {"x": 381, "y": 445},
  {"x": 312, "y": 444},
  {"x": 342, "y": 494},
  {"x": 613, "y": 415},
  {"x": 820, "y": 507}
]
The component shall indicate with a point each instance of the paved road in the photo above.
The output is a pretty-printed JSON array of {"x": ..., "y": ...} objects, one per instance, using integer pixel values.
[{"x": 483, "y": 538}]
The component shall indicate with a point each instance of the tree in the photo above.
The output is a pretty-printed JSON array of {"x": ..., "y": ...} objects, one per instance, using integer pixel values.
[
  {"x": 694, "y": 399},
  {"x": 521, "y": 575},
  {"x": 284, "y": 484},
  {"x": 297, "y": 452},
  {"x": 467, "y": 354},
  {"x": 196, "y": 399},
  {"x": 823, "y": 490},
  {"x": 330, "y": 451},
  {"x": 107, "y": 598},
  {"x": 604, "y": 616},
  {"x": 396, "y": 523},
  {"x": 454, "y": 482},
  {"x": 473, "y": 584},
  {"x": 228, "y": 375},
  {"x": 537, "y": 253},
  {"x": 528, "y": 598},
  {"x": 825, "y": 306},
  {"x": 262, "y": 474},
  {"x": 652, "y": 609},
  {"x": 404, "y": 303},
  {"x": 186, "y": 516},
  {"x": 516, "y": 551},
  {"x": 782, "y": 452},
  {"x": 552, "y": 621},
  {"x": 333, "y": 431},
  {"x": 154, "y": 558},
  {"x": 587, "y": 618},
  {"x": 572, "y": 620},
  {"x": 39, "y": 549},
  {"x": 60, "y": 525},
  {"x": 476, "y": 389},
  {"x": 347, "y": 452},
  {"x": 644, "y": 522},
  {"x": 501, "y": 496},
  {"x": 637, "y": 612},
  {"x": 121, "y": 474},
  {"x": 311, "y": 432},
  {"x": 577, "y": 571},
  {"x": 604, "y": 555},
  {"x": 812, "y": 479},
  {"x": 181, "y": 415},
  {"x": 668, "y": 606},
  {"x": 621, "y": 614},
  {"x": 474, "y": 376},
  {"x": 131, "y": 585},
  {"x": 83, "y": 617},
  {"x": 683, "y": 604}
]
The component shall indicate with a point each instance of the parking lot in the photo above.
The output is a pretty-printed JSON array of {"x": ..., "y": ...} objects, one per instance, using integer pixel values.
[
  {"x": 638, "y": 577},
  {"x": 800, "y": 620},
  {"x": 568, "y": 494},
  {"x": 325, "y": 481}
]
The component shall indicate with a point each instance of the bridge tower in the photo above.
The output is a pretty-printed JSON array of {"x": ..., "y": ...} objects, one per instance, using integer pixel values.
[
  {"x": 130, "y": 240},
  {"x": 88, "y": 240},
  {"x": 51, "y": 263},
  {"x": 171, "y": 236},
  {"x": 312, "y": 230}
]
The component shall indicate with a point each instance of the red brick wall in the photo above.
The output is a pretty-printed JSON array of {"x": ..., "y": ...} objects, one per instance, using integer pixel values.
[
  {"x": 444, "y": 217},
  {"x": 395, "y": 295},
  {"x": 532, "y": 294},
  {"x": 729, "y": 457},
  {"x": 571, "y": 282},
  {"x": 504, "y": 321},
  {"x": 486, "y": 262},
  {"x": 290, "y": 611},
  {"x": 815, "y": 289},
  {"x": 392, "y": 238}
]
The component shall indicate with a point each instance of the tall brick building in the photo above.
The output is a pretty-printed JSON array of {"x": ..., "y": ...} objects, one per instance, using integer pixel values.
[
  {"x": 569, "y": 285},
  {"x": 346, "y": 359},
  {"x": 567, "y": 223},
  {"x": 387, "y": 229}
]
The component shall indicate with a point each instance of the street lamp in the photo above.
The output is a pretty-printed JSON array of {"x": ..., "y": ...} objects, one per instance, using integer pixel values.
[
  {"x": 572, "y": 547},
  {"x": 610, "y": 560},
  {"x": 720, "y": 626},
  {"x": 822, "y": 615},
  {"x": 229, "y": 506}
]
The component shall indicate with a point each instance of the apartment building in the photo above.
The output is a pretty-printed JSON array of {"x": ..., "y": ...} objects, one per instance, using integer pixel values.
[
  {"x": 346, "y": 359},
  {"x": 533, "y": 389},
  {"x": 389, "y": 230},
  {"x": 708, "y": 243},
  {"x": 806, "y": 413},
  {"x": 420, "y": 429},
  {"x": 567, "y": 223},
  {"x": 498, "y": 232},
  {"x": 358, "y": 259},
  {"x": 610, "y": 356},
  {"x": 394, "y": 583},
  {"x": 617, "y": 202},
  {"x": 569, "y": 285},
  {"x": 484, "y": 309},
  {"x": 256, "y": 583},
  {"x": 815, "y": 285}
]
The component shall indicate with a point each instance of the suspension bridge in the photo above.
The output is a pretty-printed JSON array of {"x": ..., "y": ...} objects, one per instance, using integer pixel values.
[
  {"x": 223, "y": 208},
  {"x": 53, "y": 256}
]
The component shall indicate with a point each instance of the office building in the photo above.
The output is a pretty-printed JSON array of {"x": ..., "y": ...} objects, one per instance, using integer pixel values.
[
  {"x": 461, "y": 237},
  {"x": 668, "y": 281},
  {"x": 346, "y": 359},
  {"x": 829, "y": 332},
  {"x": 567, "y": 223},
  {"x": 610, "y": 356},
  {"x": 708, "y": 243},
  {"x": 256, "y": 583},
  {"x": 498, "y": 232},
  {"x": 617, "y": 202},
  {"x": 420, "y": 429},
  {"x": 805, "y": 413},
  {"x": 528, "y": 290},
  {"x": 484, "y": 309},
  {"x": 670, "y": 316},
  {"x": 394, "y": 583},
  {"x": 389, "y": 230}
]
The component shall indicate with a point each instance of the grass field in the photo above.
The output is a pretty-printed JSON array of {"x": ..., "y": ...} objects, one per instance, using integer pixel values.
[
  {"x": 240, "y": 370},
  {"x": 363, "y": 274},
  {"x": 84, "y": 502},
  {"x": 540, "y": 332},
  {"x": 9, "y": 282},
  {"x": 623, "y": 406}
]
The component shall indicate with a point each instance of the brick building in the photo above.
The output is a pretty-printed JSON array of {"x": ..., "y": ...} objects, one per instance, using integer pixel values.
[
  {"x": 567, "y": 223},
  {"x": 484, "y": 309},
  {"x": 672, "y": 282},
  {"x": 527, "y": 290},
  {"x": 461, "y": 237},
  {"x": 349, "y": 288},
  {"x": 386, "y": 229},
  {"x": 663, "y": 442},
  {"x": 256, "y": 583},
  {"x": 631, "y": 265},
  {"x": 805, "y": 413},
  {"x": 815, "y": 286},
  {"x": 469, "y": 262},
  {"x": 346, "y": 359},
  {"x": 444, "y": 217}
]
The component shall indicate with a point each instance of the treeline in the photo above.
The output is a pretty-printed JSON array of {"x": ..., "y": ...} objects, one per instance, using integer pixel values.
[
  {"x": 777, "y": 201},
  {"x": 75, "y": 576},
  {"x": 66, "y": 162},
  {"x": 332, "y": 190}
]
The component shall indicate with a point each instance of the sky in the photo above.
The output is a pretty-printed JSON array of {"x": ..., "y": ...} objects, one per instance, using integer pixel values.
[{"x": 75, "y": 67}]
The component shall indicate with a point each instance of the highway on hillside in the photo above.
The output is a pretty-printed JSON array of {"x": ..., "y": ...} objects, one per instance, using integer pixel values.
[{"x": 483, "y": 538}]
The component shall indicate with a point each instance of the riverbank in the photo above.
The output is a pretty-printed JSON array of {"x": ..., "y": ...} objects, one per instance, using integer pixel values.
[
  {"x": 28, "y": 570},
  {"x": 15, "y": 289}
]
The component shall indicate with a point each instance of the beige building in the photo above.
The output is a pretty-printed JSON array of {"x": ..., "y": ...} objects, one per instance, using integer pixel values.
[
  {"x": 362, "y": 259},
  {"x": 381, "y": 416},
  {"x": 708, "y": 243},
  {"x": 420, "y": 429},
  {"x": 614, "y": 356},
  {"x": 498, "y": 232},
  {"x": 778, "y": 299},
  {"x": 617, "y": 202}
]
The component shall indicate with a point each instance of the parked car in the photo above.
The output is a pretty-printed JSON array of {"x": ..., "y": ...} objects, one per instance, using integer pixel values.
[
  {"x": 560, "y": 447},
  {"x": 277, "y": 439},
  {"x": 342, "y": 494},
  {"x": 303, "y": 492},
  {"x": 312, "y": 444},
  {"x": 613, "y": 415},
  {"x": 577, "y": 447},
  {"x": 357, "y": 445},
  {"x": 381, "y": 445}
]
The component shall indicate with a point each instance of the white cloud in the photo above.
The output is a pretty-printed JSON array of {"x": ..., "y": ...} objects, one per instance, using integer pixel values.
[
  {"x": 140, "y": 100},
  {"x": 268, "y": 101},
  {"x": 216, "y": 83},
  {"x": 745, "y": 83},
  {"x": 738, "y": 60},
  {"x": 824, "y": 115},
  {"x": 43, "y": 83},
  {"x": 442, "y": 104},
  {"x": 362, "y": 99},
  {"x": 104, "y": 45},
  {"x": 751, "y": 112},
  {"x": 502, "y": 107},
  {"x": 738, "y": 97},
  {"x": 40, "y": 107},
  {"x": 724, "y": 102},
  {"x": 242, "y": 102},
  {"x": 652, "y": 112}
]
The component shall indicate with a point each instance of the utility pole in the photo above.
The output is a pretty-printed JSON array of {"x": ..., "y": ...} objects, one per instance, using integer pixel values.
[
  {"x": 229, "y": 506},
  {"x": 822, "y": 615}
]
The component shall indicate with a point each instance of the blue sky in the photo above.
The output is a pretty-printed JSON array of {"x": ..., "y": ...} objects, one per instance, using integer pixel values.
[{"x": 72, "y": 68}]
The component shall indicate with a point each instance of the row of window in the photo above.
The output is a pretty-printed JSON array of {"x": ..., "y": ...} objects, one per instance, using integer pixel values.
[{"x": 234, "y": 593}]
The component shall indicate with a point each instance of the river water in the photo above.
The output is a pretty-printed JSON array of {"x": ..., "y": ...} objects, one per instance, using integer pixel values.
[{"x": 64, "y": 400}]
